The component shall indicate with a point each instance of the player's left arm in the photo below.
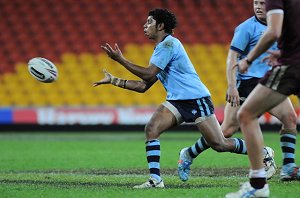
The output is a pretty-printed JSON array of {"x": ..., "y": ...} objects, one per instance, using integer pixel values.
[
  {"x": 134, "y": 85},
  {"x": 272, "y": 34},
  {"x": 140, "y": 86},
  {"x": 145, "y": 73}
]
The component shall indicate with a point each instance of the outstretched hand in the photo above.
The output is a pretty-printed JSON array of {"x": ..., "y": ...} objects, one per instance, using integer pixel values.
[
  {"x": 106, "y": 80},
  {"x": 114, "y": 54}
]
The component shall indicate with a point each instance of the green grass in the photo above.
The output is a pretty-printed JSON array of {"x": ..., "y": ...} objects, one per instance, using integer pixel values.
[{"x": 109, "y": 164}]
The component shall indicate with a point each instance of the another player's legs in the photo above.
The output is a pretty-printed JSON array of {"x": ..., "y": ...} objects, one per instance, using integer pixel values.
[
  {"x": 256, "y": 104},
  {"x": 286, "y": 114},
  {"x": 230, "y": 124},
  {"x": 161, "y": 120}
]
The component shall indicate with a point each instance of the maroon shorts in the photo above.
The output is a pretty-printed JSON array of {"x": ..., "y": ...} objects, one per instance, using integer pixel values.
[{"x": 283, "y": 79}]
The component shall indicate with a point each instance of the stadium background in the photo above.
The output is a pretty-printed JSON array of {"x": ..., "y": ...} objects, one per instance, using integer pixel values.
[{"x": 70, "y": 32}]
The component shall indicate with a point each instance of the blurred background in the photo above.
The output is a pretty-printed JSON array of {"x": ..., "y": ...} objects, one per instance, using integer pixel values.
[{"x": 70, "y": 32}]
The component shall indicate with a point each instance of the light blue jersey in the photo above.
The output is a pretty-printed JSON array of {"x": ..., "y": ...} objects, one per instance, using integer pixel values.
[
  {"x": 245, "y": 37},
  {"x": 177, "y": 74}
]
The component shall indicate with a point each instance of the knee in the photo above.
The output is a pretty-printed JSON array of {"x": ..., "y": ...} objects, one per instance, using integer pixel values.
[
  {"x": 151, "y": 131},
  {"x": 289, "y": 119},
  {"x": 243, "y": 115},
  {"x": 149, "y": 128}
]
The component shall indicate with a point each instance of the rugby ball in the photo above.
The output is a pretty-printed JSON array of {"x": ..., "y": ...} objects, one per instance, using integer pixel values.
[{"x": 43, "y": 70}]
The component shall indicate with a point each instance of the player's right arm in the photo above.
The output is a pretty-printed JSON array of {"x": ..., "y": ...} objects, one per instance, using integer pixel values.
[
  {"x": 239, "y": 44},
  {"x": 145, "y": 73},
  {"x": 232, "y": 94},
  {"x": 134, "y": 85}
]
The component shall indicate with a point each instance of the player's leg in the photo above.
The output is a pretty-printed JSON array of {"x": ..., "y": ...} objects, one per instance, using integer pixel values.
[
  {"x": 230, "y": 123},
  {"x": 229, "y": 126},
  {"x": 258, "y": 102},
  {"x": 161, "y": 120},
  {"x": 286, "y": 114},
  {"x": 211, "y": 131},
  {"x": 188, "y": 154}
]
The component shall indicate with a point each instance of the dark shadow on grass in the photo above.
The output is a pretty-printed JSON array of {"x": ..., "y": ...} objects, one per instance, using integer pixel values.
[
  {"x": 207, "y": 172},
  {"x": 77, "y": 184},
  {"x": 48, "y": 181}
]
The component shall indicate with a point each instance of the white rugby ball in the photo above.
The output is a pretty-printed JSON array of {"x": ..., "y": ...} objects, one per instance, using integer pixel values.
[{"x": 42, "y": 69}]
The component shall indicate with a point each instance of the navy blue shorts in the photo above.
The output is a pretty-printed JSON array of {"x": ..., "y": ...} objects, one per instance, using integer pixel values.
[
  {"x": 245, "y": 87},
  {"x": 190, "y": 110}
]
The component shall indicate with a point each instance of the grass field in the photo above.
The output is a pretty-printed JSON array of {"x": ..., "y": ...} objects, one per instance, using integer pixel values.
[{"x": 108, "y": 165}]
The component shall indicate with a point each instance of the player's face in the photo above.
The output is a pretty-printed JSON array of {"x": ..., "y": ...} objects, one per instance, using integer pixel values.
[
  {"x": 260, "y": 9},
  {"x": 150, "y": 29}
]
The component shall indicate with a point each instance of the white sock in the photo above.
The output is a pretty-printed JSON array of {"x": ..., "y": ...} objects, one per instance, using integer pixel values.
[{"x": 261, "y": 173}]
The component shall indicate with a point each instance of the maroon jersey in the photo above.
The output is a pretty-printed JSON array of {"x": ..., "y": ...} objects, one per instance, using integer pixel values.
[{"x": 289, "y": 42}]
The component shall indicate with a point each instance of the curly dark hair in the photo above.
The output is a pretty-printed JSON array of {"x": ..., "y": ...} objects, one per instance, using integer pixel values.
[{"x": 166, "y": 17}]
